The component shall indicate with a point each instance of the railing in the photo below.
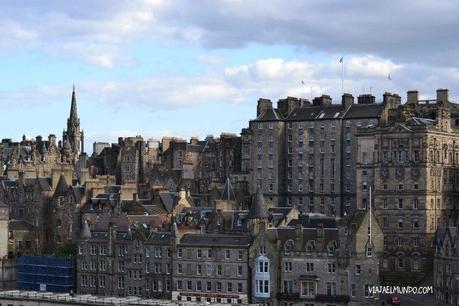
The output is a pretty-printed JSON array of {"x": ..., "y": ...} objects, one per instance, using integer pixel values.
[{"x": 86, "y": 299}]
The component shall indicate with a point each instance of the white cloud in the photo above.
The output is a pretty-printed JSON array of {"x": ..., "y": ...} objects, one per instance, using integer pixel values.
[
  {"x": 370, "y": 66},
  {"x": 272, "y": 78}
]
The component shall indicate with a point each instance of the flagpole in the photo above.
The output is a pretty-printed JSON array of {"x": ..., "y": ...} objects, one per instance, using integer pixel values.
[{"x": 342, "y": 75}]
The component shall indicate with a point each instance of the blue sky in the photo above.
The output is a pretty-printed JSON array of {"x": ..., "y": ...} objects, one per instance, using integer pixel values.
[{"x": 155, "y": 68}]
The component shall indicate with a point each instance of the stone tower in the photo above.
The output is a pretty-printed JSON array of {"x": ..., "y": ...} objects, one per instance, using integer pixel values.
[{"x": 73, "y": 135}]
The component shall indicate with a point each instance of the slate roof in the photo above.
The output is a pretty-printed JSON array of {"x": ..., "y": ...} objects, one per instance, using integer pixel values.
[
  {"x": 306, "y": 113},
  {"x": 311, "y": 220},
  {"x": 364, "y": 111},
  {"x": 132, "y": 207},
  {"x": 45, "y": 183},
  {"x": 162, "y": 238},
  {"x": 258, "y": 209},
  {"x": 215, "y": 240},
  {"x": 168, "y": 199},
  {"x": 270, "y": 114}
]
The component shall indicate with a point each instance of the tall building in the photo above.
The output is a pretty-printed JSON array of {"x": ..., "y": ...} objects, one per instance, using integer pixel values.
[
  {"x": 302, "y": 153},
  {"x": 412, "y": 163}
]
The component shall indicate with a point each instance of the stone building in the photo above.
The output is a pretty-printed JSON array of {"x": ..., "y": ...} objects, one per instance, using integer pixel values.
[
  {"x": 211, "y": 268},
  {"x": 115, "y": 259},
  {"x": 301, "y": 153},
  {"x": 411, "y": 161},
  {"x": 446, "y": 265},
  {"x": 314, "y": 260}
]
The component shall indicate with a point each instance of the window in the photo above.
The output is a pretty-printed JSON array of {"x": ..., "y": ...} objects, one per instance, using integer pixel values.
[
  {"x": 209, "y": 253},
  {"x": 415, "y": 203},
  {"x": 219, "y": 270},
  {"x": 331, "y": 288},
  {"x": 262, "y": 287},
  {"x": 353, "y": 291},
  {"x": 209, "y": 286},
  {"x": 331, "y": 268},
  {"x": 288, "y": 286},
  {"x": 358, "y": 269},
  {"x": 365, "y": 158},
  {"x": 179, "y": 253},
  {"x": 400, "y": 223},
  {"x": 239, "y": 270},
  {"x": 209, "y": 269},
  {"x": 308, "y": 289},
  {"x": 229, "y": 287},
  {"x": 309, "y": 266},
  {"x": 400, "y": 203},
  {"x": 239, "y": 287},
  {"x": 240, "y": 255},
  {"x": 198, "y": 253},
  {"x": 288, "y": 266},
  {"x": 369, "y": 250},
  {"x": 158, "y": 252},
  {"x": 219, "y": 287}
]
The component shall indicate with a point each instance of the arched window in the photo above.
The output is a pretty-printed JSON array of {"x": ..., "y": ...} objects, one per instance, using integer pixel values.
[{"x": 310, "y": 245}]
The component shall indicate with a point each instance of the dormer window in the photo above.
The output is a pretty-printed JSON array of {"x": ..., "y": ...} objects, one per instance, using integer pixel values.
[
  {"x": 331, "y": 248},
  {"x": 310, "y": 246},
  {"x": 288, "y": 248}
]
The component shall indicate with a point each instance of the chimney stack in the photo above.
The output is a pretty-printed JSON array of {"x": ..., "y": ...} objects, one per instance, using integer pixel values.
[
  {"x": 412, "y": 97},
  {"x": 263, "y": 105},
  {"x": 347, "y": 100},
  {"x": 442, "y": 95}
]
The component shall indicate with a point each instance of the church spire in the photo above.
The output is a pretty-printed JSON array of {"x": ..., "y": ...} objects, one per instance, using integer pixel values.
[{"x": 73, "y": 108}]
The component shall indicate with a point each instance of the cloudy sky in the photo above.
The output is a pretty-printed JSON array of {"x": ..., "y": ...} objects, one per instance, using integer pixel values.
[{"x": 157, "y": 67}]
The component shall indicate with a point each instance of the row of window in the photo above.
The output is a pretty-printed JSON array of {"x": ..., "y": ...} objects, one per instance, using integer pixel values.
[
  {"x": 207, "y": 253},
  {"x": 209, "y": 269},
  {"x": 209, "y": 286}
]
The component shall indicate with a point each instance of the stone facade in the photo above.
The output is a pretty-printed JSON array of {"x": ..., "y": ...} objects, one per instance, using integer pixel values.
[
  {"x": 301, "y": 153},
  {"x": 411, "y": 161},
  {"x": 446, "y": 265}
]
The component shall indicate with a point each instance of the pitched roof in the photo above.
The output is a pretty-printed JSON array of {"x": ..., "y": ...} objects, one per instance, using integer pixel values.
[
  {"x": 258, "y": 209},
  {"x": 215, "y": 240},
  {"x": 364, "y": 111},
  {"x": 62, "y": 187},
  {"x": 270, "y": 114}
]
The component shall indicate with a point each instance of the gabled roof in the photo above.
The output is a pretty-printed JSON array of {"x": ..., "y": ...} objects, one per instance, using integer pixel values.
[{"x": 270, "y": 114}]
